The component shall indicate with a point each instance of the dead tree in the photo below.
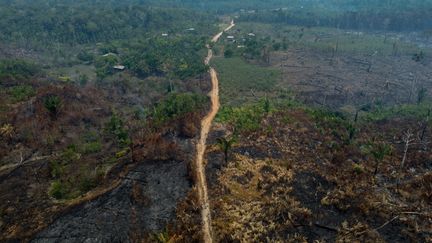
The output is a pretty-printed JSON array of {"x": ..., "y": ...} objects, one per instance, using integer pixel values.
[
  {"x": 425, "y": 125},
  {"x": 407, "y": 139}
]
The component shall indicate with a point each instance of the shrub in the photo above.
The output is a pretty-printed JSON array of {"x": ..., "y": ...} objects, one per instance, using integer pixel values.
[
  {"x": 56, "y": 169},
  {"x": 228, "y": 53},
  {"x": 83, "y": 79},
  {"x": 92, "y": 147},
  {"x": 85, "y": 56},
  {"x": 53, "y": 104},
  {"x": 115, "y": 126},
  {"x": 57, "y": 190},
  {"x": 87, "y": 183}
]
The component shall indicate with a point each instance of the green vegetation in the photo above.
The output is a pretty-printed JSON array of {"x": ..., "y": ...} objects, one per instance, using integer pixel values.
[
  {"x": 364, "y": 15},
  {"x": 116, "y": 127},
  {"x": 21, "y": 92},
  {"x": 225, "y": 144},
  {"x": 17, "y": 69},
  {"x": 177, "y": 57},
  {"x": 379, "y": 151},
  {"x": 78, "y": 22},
  {"x": 66, "y": 185},
  {"x": 419, "y": 111},
  {"x": 239, "y": 79},
  {"x": 53, "y": 104},
  {"x": 70, "y": 189},
  {"x": 178, "y": 104},
  {"x": 57, "y": 190},
  {"x": 246, "y": 118},
  {"x": 326, "y": 39},
  {"x": 104, "y": 66}
]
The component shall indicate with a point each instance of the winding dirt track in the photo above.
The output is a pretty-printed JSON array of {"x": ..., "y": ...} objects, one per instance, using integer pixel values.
[{"x": 201, "y": 145}]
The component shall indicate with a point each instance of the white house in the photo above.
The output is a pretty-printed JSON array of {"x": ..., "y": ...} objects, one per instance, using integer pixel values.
[{"x": 119, "y": 67}]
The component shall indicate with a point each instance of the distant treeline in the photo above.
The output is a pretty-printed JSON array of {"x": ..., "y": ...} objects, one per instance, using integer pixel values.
[
  {"x": 397, "y": 20},
  {"x": 395, "y": 15},
  {"x": 80, "y": 22}
]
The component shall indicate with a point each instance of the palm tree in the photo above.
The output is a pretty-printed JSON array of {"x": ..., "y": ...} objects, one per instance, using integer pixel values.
[{"x": 225, "y": 144}]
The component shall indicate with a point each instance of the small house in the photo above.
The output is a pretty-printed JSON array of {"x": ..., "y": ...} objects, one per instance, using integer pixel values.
[
  {"x": 109, "y": 54},
  {"x": 119, "y": 67},
  {"x": 164, "y": 35}
]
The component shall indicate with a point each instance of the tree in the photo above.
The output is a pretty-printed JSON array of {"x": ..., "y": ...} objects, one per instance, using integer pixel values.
[
  {"x": 267, "y": 105},
  {"x": 53, "y": 104},
  {"x": 379, "y": 152},
  {"x": 225, "y": 144},
  {"x": 228, "y": 53},
  {"x": 421, "y": 95},
  {"x": 407, "y": 139}
]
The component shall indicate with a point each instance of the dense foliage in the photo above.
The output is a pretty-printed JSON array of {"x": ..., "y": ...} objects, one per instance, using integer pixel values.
[
  {"x": 178, "y": 104},
  {"x": 379, "y": 19},
  {"x": 177, "y": 57},
  {"x": 88, "y": 21},
  {"x": 17, "y": 69}
]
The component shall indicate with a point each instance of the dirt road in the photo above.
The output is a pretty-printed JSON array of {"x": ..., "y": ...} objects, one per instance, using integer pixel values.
[{"x": 201, "y": 145}]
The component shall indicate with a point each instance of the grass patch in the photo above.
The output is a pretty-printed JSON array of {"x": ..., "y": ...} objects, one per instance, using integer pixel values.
[
  {"x": 419, "y": 111},
  {"x": 21, "y": 93},
  {"x": 238, "y": 79}
]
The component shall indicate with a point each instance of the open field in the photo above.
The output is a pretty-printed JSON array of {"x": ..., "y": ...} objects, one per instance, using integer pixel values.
[
  {"x": 242, "y": 82},
  {"x": 329, "y": 67}
]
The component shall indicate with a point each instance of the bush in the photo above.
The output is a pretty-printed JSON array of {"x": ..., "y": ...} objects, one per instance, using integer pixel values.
[
  {"x": 83, "y": 79},
  {"x": 85, "y": 56},
  {"x": 56, "y": 169},
  {"x": 116, "y": 127},
  {"x": 92, "y": 147},
  {"x": 87, "y": 183},
  {"x": 228, "y": 53},
  {"x": 57, "y": 190},
  {"x": 53, "y": 104}
]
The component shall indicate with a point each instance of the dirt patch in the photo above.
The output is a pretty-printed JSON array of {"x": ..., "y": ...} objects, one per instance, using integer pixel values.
[{"x": 319, "y": 79}]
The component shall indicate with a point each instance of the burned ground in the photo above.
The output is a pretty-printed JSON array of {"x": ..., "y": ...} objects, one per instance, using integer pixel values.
[{"x": 321, "y": 188}]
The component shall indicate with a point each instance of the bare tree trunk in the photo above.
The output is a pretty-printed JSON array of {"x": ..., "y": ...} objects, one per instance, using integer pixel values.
[
  {"x": 425, "y": 125},
  {"x": 407, "y": 139}
]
